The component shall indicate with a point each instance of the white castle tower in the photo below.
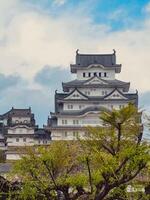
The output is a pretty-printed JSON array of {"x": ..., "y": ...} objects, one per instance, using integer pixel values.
[{"x": 94, "y": 89}]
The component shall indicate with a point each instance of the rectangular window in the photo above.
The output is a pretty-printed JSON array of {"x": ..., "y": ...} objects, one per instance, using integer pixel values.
[
  {"x": 24, "y": 139},
  {"x": 84, "y": 74},
  {"x": 75, "y": 121},
  {"x": 75, "y": 134},
  {"x": 64, "y": 121},
  {"x": 94, "y": 73},
  {"x": 99, "y": 74},
  {"x": 89, "y": 74},
  {"x": 64, "y": 134},
  {"x": 105, "y": 74},
  {"x": 17, "y": 139},
  {"x": 70, "y": 106},
  {"x": 87, "y": 92},
  {"x": 80, "y": 106},
  {"x": 104, "y": 92},
  {"x": 112, "y": 106}
]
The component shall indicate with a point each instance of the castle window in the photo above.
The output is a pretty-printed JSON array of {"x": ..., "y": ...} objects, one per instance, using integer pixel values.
[
  {"x": 99, "y": 74},
  {"x": 105, "y": 74},
  {"x": 24, "y": 139},
  {"x": 80, "y": 106},
  {"x": 17, "y": 139},
  {"x": 94, "y": 73},
  {"x": 87, "y": 92},
  {"x": 25, "y": 121},
  {"x": 111, "y": 106},
  {"x": 75, "y": 121},
  {"x": 121, "y": 106},
  {"x": 65, "y": 134},
  {"x": 70, "y": 106},
  {"x": 75, "y": 95},
  {"x": 104, "y": 92},
  {"x": 84, "y": 74},
  {"x": 89, "y": 74},
  {"x": 16, "y": 121},
  {"x": 64, "y": 121},
  {"x": 75, "y": 134}
]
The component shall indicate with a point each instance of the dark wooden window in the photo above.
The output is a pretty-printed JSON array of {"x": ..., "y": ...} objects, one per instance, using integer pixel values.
[
  {"x": 89, "y": 74},
  {"x": 105, "y": 74},
  {"x": 94, "y": 73},
  {"x": 84, "y": 74},
  {"x": 99, "y": 74}
]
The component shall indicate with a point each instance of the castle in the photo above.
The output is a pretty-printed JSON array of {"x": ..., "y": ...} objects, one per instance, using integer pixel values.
[{"x": 94, "y": 90}]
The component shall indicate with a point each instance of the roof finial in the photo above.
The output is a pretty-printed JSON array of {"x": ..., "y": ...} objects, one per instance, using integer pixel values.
[
  {"x": 55, "y": 91},
  {"x": 77, "y": 51},
  {"x": 114, "y": 51}
]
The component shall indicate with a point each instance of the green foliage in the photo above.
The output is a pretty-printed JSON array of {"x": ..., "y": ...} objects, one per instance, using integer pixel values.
[{"x": 99, "y": 167}]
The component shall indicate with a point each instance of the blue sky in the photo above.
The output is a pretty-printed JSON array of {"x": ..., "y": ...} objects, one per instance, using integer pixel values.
[{"x": 38, "y": 40}]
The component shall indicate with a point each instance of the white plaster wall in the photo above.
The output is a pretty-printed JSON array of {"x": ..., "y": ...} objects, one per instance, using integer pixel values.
[
  {"x": 14, "y": 156},
  {"x": 12, "y": 141},
  {"x": 84, "y": 105},
  {"x": 96, "y": 91},
  {"x": 20, "y": 119},
  {"x": 110, "y": 73},
  {"x": 60, "y": 135},
  {"x": 89, "y": 119},
  {"x": 20, "y": 130},
  {"x": 86, "y": 118}
]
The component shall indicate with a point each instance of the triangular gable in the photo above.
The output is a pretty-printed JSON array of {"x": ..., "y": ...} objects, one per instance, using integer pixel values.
[
  {"x": 95, "y": 80},
  {"x": 76, "y": 94},
  {"x": 115, "y": 94}
]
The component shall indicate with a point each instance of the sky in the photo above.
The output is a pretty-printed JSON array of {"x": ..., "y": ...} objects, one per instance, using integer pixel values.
[{"x": 38, "y": 40}]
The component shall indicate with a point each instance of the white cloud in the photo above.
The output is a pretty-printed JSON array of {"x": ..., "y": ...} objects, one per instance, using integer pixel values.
[
  {"x": 59, "y": 2},
  {"x": 147, "y": 8},
  {"x": 32, "y": 39}
]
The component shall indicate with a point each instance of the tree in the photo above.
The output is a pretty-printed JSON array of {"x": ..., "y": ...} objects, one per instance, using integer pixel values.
[
  {"x": 116, "y": 151},
  {"x": 52, "y": 172},
  {"x": 99, "y": 167}
]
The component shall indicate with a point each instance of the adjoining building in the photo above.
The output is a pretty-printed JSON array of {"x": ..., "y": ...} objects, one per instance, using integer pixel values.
[
  {"x": 18, "y": 129},
  {"x": 94, "y": 90}
]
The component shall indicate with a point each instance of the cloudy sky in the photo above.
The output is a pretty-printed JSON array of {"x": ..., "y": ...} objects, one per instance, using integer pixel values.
[{"x": 38, "y": 40}]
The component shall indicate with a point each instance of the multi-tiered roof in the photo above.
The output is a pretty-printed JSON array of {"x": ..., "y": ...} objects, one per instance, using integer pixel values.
[{"x": 73, "y": 90}]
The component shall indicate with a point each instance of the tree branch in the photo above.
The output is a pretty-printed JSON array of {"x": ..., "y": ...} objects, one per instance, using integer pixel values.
[
  {"x": 89, "y": 173},
  {"x": 111, "y": 151},
  {"x": 50, "y": 173}
]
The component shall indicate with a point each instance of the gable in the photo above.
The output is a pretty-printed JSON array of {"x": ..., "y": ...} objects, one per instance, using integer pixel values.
[
  {"x": 95, "y": 80},
  {"x": 76, "y": 95},
  {"x": 115, "y": 95}
]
